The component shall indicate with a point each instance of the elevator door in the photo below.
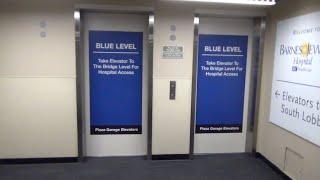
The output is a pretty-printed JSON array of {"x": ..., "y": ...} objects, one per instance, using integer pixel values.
[
  {"x": 115, "y": 60},
  {"x": 223, "y": 79}
]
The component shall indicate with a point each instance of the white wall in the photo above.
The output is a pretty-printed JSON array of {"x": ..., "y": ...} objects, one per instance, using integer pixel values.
[
  {"x": 37, "y": 77},
  {"x": 297, "y": 157},
  {"x": 37, "y": 82},
  {"x": 171, "y": 118}
]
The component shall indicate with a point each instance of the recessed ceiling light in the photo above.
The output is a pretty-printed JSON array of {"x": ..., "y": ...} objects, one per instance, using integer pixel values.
[{"x": 249, "y": 2}]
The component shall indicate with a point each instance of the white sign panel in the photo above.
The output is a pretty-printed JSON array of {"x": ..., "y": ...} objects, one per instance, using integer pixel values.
[
  {"x": 295, "y": 102},
  {"x": 172, "y": 52}
]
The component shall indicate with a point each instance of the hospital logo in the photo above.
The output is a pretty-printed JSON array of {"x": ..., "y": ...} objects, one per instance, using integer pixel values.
[
  {"x": 301, "y": 55},
  {"x": 305, "y": 49}
]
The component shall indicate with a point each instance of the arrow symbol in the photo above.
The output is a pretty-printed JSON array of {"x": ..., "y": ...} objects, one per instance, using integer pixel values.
[{"x": 277, "y": 94}]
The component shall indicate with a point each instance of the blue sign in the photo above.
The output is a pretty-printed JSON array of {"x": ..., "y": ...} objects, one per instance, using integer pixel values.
[
  {"x": 115, "y": 82},
  {"x": 221, "y": 83}
]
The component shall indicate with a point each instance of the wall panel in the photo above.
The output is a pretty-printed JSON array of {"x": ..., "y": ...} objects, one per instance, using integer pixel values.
[
  {"x": 273, "y": 141},
  {"x": 37, "y": 117}
]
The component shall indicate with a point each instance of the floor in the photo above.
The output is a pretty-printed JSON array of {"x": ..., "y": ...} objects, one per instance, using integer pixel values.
[{"x": 208, "y": 167}]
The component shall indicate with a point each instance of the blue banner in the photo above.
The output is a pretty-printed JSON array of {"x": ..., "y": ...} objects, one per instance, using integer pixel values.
[
  {"x": 115, "y": 82},
  {"x": 221, "y": 83}
]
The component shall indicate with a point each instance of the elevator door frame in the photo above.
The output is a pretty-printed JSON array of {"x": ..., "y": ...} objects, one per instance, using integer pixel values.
[
  {"x": 80, "y": 66},
  {"x": 259, "y": 26}
]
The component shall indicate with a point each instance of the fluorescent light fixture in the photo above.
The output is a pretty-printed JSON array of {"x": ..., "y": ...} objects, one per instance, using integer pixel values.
[
  {"x": 151, "y": 19},
  {"x": 76, "y": 14},
  {"x": 248, "y": 2},
  {"x": 196, "y": 20}
]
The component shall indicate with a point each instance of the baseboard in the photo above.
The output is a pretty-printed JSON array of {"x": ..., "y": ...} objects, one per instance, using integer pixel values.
[
  {"x": 39, "y": 160},
  {"x": 170, "y": 157},
  {"x": 274, "y": 167}
]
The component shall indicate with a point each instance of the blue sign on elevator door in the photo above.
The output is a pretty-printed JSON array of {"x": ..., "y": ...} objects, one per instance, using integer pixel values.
[
  {"x": 221, "y": 83},
  {"x": 115, "y": 82}
]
